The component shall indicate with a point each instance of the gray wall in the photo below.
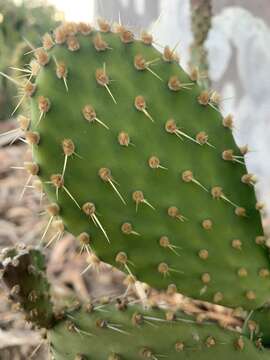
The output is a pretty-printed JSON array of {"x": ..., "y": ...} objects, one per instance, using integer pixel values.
[{"x": 129, "y": 11}]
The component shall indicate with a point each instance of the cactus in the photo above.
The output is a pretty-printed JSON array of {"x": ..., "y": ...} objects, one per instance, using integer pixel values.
[
  {"x": 262, "y": 317},
  {"x": 16, "y": 27},
  {"x": 141, "y": 167},
  {"x": 128, "y": 331},
  {"x": 23, "y": 273},
  {"x": 201, "y": 23},
  {"x": 143, "y": 162},
  {"x": 131, "y": 333}
]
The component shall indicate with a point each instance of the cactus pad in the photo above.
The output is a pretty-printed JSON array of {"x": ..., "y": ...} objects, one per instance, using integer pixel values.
[
  {"x": 111, "y": 334},
  {"x": 259, "y": 324},
  {"x": 142, "y": 164},
  {"x": 23, "y": 274}
]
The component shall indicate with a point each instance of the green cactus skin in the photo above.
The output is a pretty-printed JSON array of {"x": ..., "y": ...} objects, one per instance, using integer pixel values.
[
  {"x": 17, "y": 25},
  {"x": 23, "y": 274},
  {"x": 108, "y": 333},
  {"x": 258, "y": 325},
  {"x": 212, "y": 253},
  {"x": 119, "y": 330}
]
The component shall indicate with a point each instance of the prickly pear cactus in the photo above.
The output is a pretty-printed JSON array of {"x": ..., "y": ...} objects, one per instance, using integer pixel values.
[
  {"x": 262, "y": 317},
  {"x": 130, "y": 333},
  {"x": 140, "y": 165},
  {"x": 23, "y": 273},
  {"x": 120, "y": 330},
  {"x": 140, "y": 159},
  {"x": 201, "y": 18}
]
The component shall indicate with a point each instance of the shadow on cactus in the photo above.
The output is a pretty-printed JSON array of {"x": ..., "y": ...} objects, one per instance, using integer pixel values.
[{"x": 141, "y": 167}]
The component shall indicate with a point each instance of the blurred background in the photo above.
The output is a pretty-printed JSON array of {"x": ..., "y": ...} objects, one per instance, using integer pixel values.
[{"x": 239, "y": 61}]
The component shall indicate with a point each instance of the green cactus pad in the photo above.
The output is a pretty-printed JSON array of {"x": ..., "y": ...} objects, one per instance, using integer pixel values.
[
  {"x": 23, "y": 274},
  {"x": 157, "y": 198},
  {"x": 258, "y": 324},
  {"x": 110, "y": 334}
]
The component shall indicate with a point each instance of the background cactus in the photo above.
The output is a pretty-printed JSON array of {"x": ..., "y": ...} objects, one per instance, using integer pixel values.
[
  {"x": 23, "y": 273},
  {"x": 19, "y": 23},
  {"x": 141, "y": 167},
  {"x": 201, "y": 23},
  {"x": 128, "y": 330},
  {"x": 131, "y": 333}
]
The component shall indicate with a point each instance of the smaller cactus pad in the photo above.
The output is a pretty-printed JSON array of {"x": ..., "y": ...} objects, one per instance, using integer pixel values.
[
  {"x": 108, "y": 333},
  {"x": 23, "y": 274},
  {"x": 258, "y": 324}
]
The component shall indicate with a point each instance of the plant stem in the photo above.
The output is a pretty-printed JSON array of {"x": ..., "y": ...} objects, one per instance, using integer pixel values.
[{"x": 201, "y": 19}]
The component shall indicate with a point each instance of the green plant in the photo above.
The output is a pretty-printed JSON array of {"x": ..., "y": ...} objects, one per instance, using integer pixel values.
[
  {"x": 201, "y": 18},
  {"x": 20, "y": 26},
  {"x": 140, "y": 166}
]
